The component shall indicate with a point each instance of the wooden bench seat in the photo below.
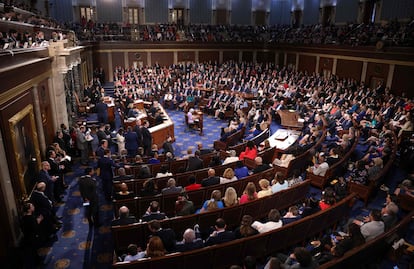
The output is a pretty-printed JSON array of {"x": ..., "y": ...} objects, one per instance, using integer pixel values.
[
  {"x": 257, "y": 209},
  {"x": 261, "y": 245}
]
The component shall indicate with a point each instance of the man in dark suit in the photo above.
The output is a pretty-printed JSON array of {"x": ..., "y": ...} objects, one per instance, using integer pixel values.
[
  {"x": 212, "y": 178},
  {"x": 167, "y": 235},
  {"x": 43, "y": 206},
  {"x": 87, "y": 188},
  {"x": 57, "y": 170},
  {"x": 171, "y": 187},
  {"x": 105, "y": 165},
  {"x": 100, "y": 151},
  {"x": 190, "y": 242},
  {"x": 138, "y": 131},
  {"x": 49, "y": 181},
  {"x": 194, "y": 162},
  {"x": 202, "y": 150},
  {"x": 220, "y": 235},
  {"x": 131, "y": 142},
  {"x": 124, "y": 217},
  {"x": 146, "y": 138},
  {"x": 260, "y": 166},
  {"x": 153, "y": 212},
  {"x": 102, "y": 111}
]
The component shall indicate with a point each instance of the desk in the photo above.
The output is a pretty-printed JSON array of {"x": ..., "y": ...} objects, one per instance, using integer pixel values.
[
  {"x": 109, "y": 101},
  {"x": 290, "y": 118},
  {"x": 283, "y": 138},
  {"x": 161, "y": 131},
  {"x": 198, "y": 120}
]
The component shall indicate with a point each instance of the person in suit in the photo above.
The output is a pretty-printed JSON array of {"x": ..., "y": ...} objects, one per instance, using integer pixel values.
[
  {"x": 202, "y": 150},
  {"x": 100, "y": 151},
  {"x": 194, "y": 162},
  {"x": 260, "y": 166},
  {"x": 131, "y": 142},
  {"x": 82, "y": 144},
  {"x": 190, "y": 242},
  {"x": 153, "y": 212},
  {"x": 167, "y": 146},
  {"x": 57, "y": 170},
  {"x": 49, "y": 181},
  {"x": 220, "y": 235},
  {"x": 138, "y": 131},
  {"x": 146, "y": 138},
  {"x": 105, "y": 165},
  {"x": 124, "y": 217},
  {"x": 167, "y": 235},
  {"x": 87, "y": 188},
  {"x": 43, "y": 206},
  {"x": 171, "y": 187},
  {"x": 212, "y": 178},
  {"x": 102, "y": 111}
]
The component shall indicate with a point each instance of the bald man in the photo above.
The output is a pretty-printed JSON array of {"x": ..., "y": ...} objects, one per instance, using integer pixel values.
[{"x": 124, "y": 217}]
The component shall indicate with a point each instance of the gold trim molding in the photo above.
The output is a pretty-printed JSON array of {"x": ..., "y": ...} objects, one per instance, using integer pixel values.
[{"x": 18, "y": 158}]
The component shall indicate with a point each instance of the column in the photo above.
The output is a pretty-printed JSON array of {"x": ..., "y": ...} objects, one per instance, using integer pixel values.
[
  {"x": 110, "y": 67},
  {"x": 390, "y": 75},
  {"x": 38, "y": 119},
  {"x": 175, "y": 57},
  {"x": 254, "y": 57},
  {"x": 318, "y": 58},
  {"x": 240, "y": 56},
  {"x": 196, "y": 56},
  {"x": 149, "y": 62},
  {"x": 334, "y": 65},
  {"x": 220, "y": 56},
  {"x": 285, "y": 59},
  {"x": 126, "y": 59},
  {"x": 277, "y": 58},
  {"x": 364, "y": 71},
  {"x": 297, "y": 62}
]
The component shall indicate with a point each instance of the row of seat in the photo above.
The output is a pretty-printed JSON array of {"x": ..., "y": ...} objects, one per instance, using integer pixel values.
[
  {"x": 139, "y": 205},
  {"x": 261, "y": 245},
  {"x": 124, "y": 235},
  {"x": 372, "y": 251},
  {"x": 364, "y": 192},
  {"x": 334, "y": 170}
]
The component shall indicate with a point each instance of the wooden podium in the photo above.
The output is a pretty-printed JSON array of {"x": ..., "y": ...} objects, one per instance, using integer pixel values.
[{"x": 290, "y": 118}]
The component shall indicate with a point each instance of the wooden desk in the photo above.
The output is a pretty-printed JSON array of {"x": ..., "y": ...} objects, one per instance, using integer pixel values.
[
  {"x": 290, "y": 118},
  {"x": 198, "y": 120},
  {"x": 161, "y": 131}
]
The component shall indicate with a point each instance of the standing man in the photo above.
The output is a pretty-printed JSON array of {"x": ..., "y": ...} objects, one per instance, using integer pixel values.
[
  {"x": 102, "y": 111},
  {"x": 105, "y": 165},
  {"x": 49, "y": 182},
  {"x": 146, "y": 138},
  {"x": 137, "y": 130},
  {"x": 82, "y": 145},
  {"x": 87, "y": 188}
]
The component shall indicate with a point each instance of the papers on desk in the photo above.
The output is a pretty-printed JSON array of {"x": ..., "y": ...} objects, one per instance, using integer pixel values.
[{"x": 283, "y": 138}]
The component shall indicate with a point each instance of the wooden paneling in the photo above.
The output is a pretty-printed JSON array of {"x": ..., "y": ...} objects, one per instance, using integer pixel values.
[
  {"x": 265, "y": 57},
  {"x": 403, "y": 80},
  {"x": 376, "y": 71},
  {"x": 291, "y": 59},
  {"x": 230, "y": 56},
  {"x": 325, "y": 64},
  {"x": 247, "y": 56},
  {"x": 186, "y": 56},
  {"x": 281, "y": 59},
  {"x": 14, "y": 77},
  {"x": 162, "y": 58},
  {"x": 307, "y": 63},
  {"x": 137, "y": 57},
  {"x": 349, "y": 69},
  {"x": 101, "y": 59},
  {"x": 208, "y": 56},
  {"x": 118, "y": 59}
]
